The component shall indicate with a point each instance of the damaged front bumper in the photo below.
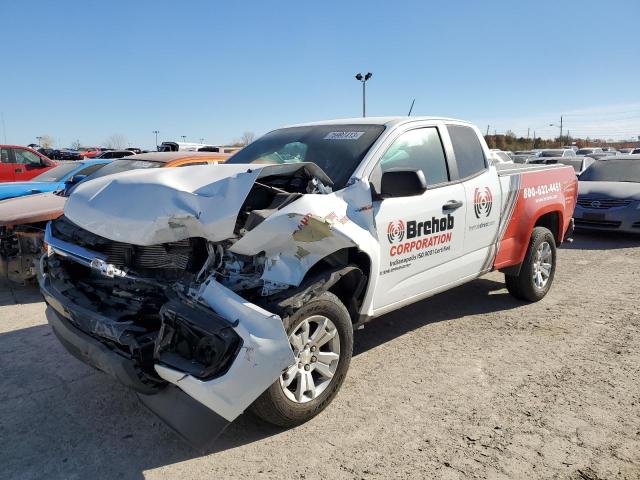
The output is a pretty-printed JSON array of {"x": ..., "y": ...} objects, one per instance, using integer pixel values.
[{"x": 212, "y": 356}]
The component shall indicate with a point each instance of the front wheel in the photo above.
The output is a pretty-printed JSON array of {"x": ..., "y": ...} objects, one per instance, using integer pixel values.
[
  {"x": 538, "y": 268},
  {"x": 321, "y": 337}
]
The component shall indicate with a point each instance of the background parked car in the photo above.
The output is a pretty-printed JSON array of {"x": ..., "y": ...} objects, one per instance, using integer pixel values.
[
  {"x": 570, "y": 147},
  {"x": 89, "y": 152},
  {"x": 21, "y": 163},
  {"x": 115, "y": 154},
  {"x": 51, "y": 180},
  {"x": 557, "y": 152},
  {"x": 609, "y": 196},
  {"x": 498, "y": 156},
  {"x": 589, "y": 151},
  {"x": 67, "y": 154},
  {"x": 635, "y": 151}
]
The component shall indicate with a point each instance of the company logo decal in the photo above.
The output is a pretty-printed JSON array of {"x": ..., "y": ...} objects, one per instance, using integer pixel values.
[
  {"x": 395, "y": 231},
  {"x": 596, "y": 204},
  {"x": 423, "y": 239},
  {"x": 482, "y": 202}
]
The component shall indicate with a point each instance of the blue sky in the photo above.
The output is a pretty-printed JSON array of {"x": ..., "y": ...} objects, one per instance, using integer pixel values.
[{"x": 86, "y": 70}]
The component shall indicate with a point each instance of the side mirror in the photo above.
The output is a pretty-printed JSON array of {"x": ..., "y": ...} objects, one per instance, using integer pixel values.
[{"x": 402, "y": 183}]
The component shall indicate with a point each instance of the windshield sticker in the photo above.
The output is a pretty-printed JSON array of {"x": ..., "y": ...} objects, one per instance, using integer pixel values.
[{"x": 343, "y": 135}]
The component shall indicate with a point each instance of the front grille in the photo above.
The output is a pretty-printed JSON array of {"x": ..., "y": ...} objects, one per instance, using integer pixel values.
[
  {"x": 184, "y": 255},
  {"x": 168, "y": 255},
  {"x": 596, "y": 203},
  {"x": 580, "y": 222}
]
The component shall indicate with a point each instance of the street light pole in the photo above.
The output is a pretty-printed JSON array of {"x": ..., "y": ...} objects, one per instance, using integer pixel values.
[
  {"x": 156, "y": 132},
  {"x": 556, "y": 125},
  {"x": 363, "y": 79}
]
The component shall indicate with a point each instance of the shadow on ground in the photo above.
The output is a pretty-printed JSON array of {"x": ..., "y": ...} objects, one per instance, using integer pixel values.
[
  {"x": 588, "y": 240},
  {"x": 12, "y": 294},
  {"x": 59, "y": 418}
]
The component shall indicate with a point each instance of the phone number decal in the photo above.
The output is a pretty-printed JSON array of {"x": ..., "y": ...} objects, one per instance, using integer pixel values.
[{"x": 530, "y": 192}]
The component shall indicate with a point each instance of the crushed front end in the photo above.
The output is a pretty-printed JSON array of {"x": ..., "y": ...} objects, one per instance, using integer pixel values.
[{"x": 141, "y": 314}]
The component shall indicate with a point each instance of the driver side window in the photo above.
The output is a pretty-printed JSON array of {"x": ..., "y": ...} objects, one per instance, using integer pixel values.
[
  {"x": 25, "y": 157},
  {"x": 419, "y": 149}
]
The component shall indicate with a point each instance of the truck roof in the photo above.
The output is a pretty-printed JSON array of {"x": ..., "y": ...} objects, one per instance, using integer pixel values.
[{"x": 387, "y": 121}]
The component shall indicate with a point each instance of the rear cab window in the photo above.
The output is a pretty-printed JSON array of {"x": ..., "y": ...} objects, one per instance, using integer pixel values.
[{"x": 468, "y": 151}]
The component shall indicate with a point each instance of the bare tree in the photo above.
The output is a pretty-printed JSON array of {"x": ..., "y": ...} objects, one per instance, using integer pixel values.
[
  {"x": 117, "y": 141},
  {"x": 46, "y": 141},
  {"x": 247, "y": 137},
  {"x": 76, "y": 145}
]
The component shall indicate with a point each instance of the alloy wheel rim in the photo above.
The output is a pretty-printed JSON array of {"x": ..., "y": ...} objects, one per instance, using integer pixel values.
[
  {"x": 316, "y": 347},
  {"x": 542, "y": 265}
]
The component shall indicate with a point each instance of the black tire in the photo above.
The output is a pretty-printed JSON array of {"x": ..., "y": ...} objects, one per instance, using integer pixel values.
[
  {"x": 523, "y": 286},
  {"x": 273, "y": 405}
]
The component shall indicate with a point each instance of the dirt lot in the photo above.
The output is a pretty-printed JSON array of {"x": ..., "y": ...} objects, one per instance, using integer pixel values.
[{"x": 468, "y": 384}]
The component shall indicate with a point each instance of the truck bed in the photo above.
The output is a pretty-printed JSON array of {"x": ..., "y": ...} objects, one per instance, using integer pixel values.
[{"x": 514, "y": 168}]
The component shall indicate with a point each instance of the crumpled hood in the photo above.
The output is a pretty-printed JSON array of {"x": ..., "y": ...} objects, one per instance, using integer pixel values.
[
  {"x": 621, "y": 190},
  {"x": 149, "y": 207},
  {"x": 18, "y": 189}
]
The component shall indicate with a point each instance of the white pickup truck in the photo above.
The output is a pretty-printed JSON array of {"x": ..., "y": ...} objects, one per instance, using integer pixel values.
[{"x": 213, "y": 289}]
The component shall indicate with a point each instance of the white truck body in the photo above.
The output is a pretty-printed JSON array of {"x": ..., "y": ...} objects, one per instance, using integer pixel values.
[{"x": 414, "y": 246}]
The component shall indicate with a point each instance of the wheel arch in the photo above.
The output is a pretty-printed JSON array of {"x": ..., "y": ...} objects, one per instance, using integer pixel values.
[
  {"x": 345, "y": 273},
  {"x": 553, "y": 221}
]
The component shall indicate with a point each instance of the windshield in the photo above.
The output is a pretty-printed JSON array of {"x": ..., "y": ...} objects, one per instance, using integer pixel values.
[
  {"x": 552, "y": 153},
  {"x": 576, "y": 164},
  {"x": 336, "y": 149},
  {"x": 118, "y": 166},
  {"x": 612, "y": 171},
  {"x": 585, "y": 151},
  {"x": 56, "y": 174}
]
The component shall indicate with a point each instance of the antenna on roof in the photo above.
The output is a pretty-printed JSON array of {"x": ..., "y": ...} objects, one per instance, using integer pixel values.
[{"x": 411, "y": 108}]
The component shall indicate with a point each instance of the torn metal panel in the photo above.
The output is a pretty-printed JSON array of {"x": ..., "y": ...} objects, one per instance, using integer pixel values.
[
  {"x": 264, "y": 354},
  {"x": 307, "y": 230},
  {"x": 147, "y": 207}
]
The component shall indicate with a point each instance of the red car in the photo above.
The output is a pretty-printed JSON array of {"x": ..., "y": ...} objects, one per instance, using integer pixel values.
[
  {"x": 19, "y": 164},
  {"x": 89, "y": 152}
]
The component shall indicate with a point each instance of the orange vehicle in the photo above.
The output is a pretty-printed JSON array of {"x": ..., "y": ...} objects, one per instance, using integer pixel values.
[{"x": 23, "y": 219}]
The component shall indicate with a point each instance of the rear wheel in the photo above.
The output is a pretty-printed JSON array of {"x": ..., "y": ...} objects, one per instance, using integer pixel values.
[
  {"x": 538, "y": 268},
  {"x": 321, "y": 337}
]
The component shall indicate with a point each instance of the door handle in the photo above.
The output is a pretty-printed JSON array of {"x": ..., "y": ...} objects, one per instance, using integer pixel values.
[
  {"x": 18, "y": 170},
  {"x": 451, "y": 205}
]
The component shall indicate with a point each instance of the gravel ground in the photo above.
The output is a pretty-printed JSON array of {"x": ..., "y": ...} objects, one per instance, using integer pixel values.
[{"x": 468, "y": 384}]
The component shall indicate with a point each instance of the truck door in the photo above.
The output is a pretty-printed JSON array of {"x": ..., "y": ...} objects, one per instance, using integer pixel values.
[
  {"x": 483, "y": 197},
  {"x": 418, "y": 235},
  {"x": 28, "y": 164}
]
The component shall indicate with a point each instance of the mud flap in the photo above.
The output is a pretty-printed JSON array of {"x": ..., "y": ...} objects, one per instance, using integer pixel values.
[
  {"x": 194, "y": 422},
  {"x": 264, "y": 354}
]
